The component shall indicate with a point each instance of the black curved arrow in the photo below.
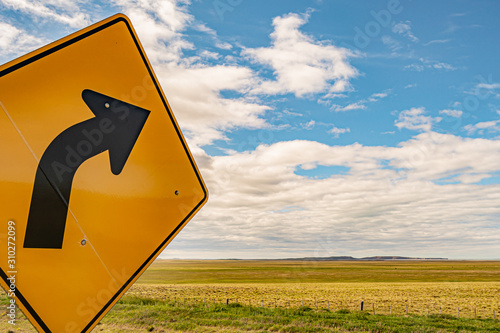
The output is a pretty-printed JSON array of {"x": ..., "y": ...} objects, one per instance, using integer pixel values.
[{"x": 115, "y": 127}]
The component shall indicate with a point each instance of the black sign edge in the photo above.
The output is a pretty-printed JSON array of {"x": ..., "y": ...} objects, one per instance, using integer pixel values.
[{"x": 56, "y": 48}]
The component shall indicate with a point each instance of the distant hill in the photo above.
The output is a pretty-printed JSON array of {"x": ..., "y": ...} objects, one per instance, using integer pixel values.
[{"x": 349, "y": 258}]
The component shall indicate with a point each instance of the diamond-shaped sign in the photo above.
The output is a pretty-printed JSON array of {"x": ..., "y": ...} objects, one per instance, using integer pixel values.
[{"x": 96, "y": 178}]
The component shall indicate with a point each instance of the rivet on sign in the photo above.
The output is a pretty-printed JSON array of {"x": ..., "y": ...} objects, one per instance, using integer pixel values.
[
  {"x": 106, "y": 105},
  {"x": 176, "y": 192},
  {"x": 83, "y": 242}
]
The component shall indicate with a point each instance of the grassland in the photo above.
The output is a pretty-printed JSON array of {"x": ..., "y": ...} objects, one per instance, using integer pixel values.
[
  {"x": 134, "y": 314},
  {"x": 283, "y": 271},
  {"x": 296, "y": 296},
  {"x": 471, "y": 299},
  {"x": 467, "y": 288},
  {"x": 137, "y": 314}
]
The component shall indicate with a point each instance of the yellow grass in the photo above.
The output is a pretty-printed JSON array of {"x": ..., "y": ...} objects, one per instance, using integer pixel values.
[
  {"x": 445, "y": 287},
  {"x": 444, "y": 297}
]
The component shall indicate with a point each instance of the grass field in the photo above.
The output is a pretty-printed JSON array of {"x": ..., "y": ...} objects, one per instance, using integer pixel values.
[
  {"x": 135, "y": 314},
  {"x": 423, "y": 296},
  {"x": 445, "y": 287},
  {"x": 290, "y": 271}
]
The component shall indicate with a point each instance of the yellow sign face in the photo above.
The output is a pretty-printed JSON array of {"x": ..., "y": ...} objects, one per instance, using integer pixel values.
[{"x": 96, "y": 178}]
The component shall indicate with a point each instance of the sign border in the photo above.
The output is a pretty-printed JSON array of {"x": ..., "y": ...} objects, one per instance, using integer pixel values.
[{"x": 59, "y": 45}]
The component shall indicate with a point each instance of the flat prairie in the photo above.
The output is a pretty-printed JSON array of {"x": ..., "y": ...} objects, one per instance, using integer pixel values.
[
  {"x": 304, "y": 296},
  {"x": 467, "y": 288},
  {"x": 296, "y": 271}
]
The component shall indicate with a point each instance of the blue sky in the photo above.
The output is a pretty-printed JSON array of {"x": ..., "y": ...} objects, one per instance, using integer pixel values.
[{"x": 321, "y": 128}]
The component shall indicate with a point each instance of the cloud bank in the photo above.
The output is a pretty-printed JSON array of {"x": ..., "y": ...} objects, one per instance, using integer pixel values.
[{"x": 421, "y": 198}]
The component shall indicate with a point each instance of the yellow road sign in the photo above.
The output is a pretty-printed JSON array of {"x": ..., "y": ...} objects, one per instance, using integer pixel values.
[{"x": 96, "y": 178}]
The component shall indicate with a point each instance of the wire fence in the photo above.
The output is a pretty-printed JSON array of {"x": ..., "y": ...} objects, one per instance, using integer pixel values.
[{"x": 381, "y": 308}]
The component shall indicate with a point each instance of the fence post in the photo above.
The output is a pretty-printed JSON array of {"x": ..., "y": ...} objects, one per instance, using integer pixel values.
[
  {"x": 458, "y": 312},
  {"x": 373, "y": 306},
  {"x": 427, "y": 310},
  {"x": 362, "y": 303},
  {"x": 316, "y": 304},
  {"x": 406, "y": 308},
  {"x": 275, "y": 303},
  {"x": 328, "y": 305},
  {"x": 262, "y": 303},
  {"x": 227, "y": 301},
  {"x": 289, "y": 305}
]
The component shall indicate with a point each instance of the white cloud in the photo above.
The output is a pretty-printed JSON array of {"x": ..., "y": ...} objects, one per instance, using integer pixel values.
[
  {"x": 193, "y": 87},
  {"x": 404, "y": 29},
  {"x": 414, "y": 198},
  {"x": 337, "y": 131},
  {"x": 415, "y": 67},
  {"x": 361, "y": 104},
  {"x": 15, "y": 42},
  {"x": 349, "y": 107},
  {"x": 451, "y": 113},
  {"x": 492, "y": 126},
  {"x": 301, "y": 64},
  {"x": 437, "y": 41},
  {"x": 471, "y": 178},
  {"x": 430, "y": 64},
  {"x": 415, "y": 119},
  {"x": 224, "y": 45},
  {"x": 489, "y": 86},
  {"x": 194, "y": 94},
  {"x": 393, "y": 44},
  {"x": 159, "y": 25},
  {"x": 209, "y": 55},
  {"x": 309, "y": 125},
  {"x": 62, "y": 11},
  {"x": 443, "y": 65},
  {"x": 485, "y": 89},
  {"x": 375, "y": 97}
]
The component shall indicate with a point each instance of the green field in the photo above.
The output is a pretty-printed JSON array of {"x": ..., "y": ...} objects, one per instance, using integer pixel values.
[{"x": 300, "y": 296}]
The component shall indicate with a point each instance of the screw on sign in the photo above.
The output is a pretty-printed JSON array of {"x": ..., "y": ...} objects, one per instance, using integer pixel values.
[{"x": 99, "y": 178}]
